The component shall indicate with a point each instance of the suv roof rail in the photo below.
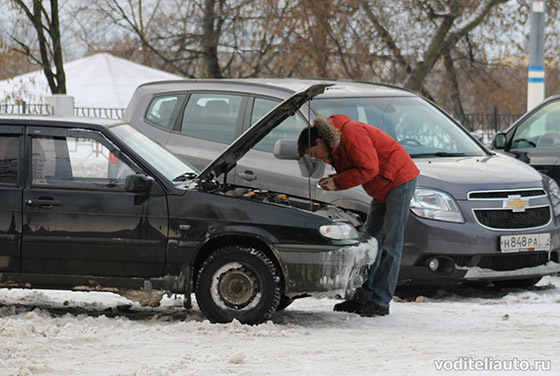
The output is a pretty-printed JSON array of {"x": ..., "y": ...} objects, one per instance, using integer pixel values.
[
  {"x": 252, "y": 82},
  {"x": 361, "y": 82}
]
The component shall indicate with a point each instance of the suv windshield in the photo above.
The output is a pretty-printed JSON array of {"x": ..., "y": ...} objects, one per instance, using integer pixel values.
[
  {"x": 421, "y": 128},
  {"x": 171, "y": 167}
]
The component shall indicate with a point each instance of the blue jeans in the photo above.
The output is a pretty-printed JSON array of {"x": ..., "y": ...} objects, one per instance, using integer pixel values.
[{"x": 386, "y": 222}]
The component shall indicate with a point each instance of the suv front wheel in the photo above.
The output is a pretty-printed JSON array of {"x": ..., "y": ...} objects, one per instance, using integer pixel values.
[{"x": 238, "y": 282}]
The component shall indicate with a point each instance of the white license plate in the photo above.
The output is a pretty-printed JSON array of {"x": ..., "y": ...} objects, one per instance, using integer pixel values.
[{"x": 527, "y": 242}]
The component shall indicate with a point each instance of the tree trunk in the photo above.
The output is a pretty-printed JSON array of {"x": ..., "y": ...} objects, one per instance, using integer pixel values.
[
  {"x": 41, "y": 22},
  {"x": 58, "y": 62},
  {"x": 455, "y": 94},
  {"x": 210, "y": 37}
]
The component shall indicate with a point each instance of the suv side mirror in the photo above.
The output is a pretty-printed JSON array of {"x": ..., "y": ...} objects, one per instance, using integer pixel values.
[
  {"x": 138, "y": 183},
  {"x": 499, "y": 141},
  {"x": 287, "y": 149}
]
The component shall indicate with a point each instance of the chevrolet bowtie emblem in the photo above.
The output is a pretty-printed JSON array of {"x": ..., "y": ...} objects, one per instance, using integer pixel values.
[{"x": 516, "y": 203}]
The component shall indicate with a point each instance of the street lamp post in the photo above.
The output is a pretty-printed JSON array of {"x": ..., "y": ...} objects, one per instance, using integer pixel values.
[{"x": 535, "y": 88}]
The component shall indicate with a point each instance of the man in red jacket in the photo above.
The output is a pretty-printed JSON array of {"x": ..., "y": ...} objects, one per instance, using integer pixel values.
[{"x": 364, "y": 155}]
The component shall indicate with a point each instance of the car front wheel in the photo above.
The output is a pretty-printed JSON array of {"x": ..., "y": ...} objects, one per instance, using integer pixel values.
[{"x": 238, "y": 282}]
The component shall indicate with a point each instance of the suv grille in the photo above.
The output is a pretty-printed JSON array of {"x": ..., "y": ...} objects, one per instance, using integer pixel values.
[
  {"x": 513, "y": 262},
  {"x": 508, "y": 219},
  {"x": 502, "y": 195}
]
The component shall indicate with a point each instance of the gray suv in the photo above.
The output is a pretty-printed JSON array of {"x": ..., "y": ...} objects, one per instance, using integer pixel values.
[{"x": 476, "y": 215}]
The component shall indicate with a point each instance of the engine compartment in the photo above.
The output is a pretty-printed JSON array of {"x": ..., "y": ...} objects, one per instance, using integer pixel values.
[{"x": 332, "y": 212}]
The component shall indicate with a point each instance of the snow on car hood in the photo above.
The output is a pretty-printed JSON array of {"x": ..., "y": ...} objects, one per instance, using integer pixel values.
[{"x": 234, "y": 152}]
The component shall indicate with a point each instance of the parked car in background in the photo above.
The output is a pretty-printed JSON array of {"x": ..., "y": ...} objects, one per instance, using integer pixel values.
[
  {"x": 535, "y": 138},
  {"x": 475, "y": 215},
  {"x": 95, "y": 205}
]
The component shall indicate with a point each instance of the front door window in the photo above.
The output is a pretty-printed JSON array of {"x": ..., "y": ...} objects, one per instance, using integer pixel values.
[{"x": 76, "y": 161}]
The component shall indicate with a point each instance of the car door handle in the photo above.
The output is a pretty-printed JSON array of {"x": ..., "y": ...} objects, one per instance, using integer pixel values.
[
  {"x": 247, "y": 175},
  {"x": 43, "y": 202}
]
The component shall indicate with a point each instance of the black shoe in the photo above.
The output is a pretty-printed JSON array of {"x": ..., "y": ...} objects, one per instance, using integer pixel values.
[
  {"x": 372, "y": 309},
  {"x": 350, "y": 306}
]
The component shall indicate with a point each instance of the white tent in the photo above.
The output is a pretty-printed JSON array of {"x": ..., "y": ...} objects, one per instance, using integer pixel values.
[{"x": 101, "y": 80}]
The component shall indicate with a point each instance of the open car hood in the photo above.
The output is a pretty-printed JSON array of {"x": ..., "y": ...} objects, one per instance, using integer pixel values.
[{"x": 235, "y": 151}]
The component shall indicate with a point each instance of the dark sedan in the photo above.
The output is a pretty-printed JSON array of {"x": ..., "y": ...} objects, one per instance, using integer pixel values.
[
  {"x": 95, "y": 205},
  {"x": 535, "y": 138}
]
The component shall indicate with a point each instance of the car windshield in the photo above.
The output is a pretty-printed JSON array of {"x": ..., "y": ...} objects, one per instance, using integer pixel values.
[
  {"x": 420, "y": 127},
  {"x": 171, "y": 167}
]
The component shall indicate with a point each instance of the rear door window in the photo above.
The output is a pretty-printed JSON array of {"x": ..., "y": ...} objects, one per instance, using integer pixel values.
[
  {"x": 164, "y": 109},
  {"x": 212, "y": 116},
  {"x": 9, "y": 159}
]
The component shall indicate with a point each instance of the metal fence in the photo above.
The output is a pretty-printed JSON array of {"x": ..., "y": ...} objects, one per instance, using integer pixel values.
[
  {"x": 495, "y": 122},
  {"x": 26, "y": 108},
  {"x": 487, "y": 125},
  {"x": 108, "y": 113},
  {"x": 45, "y": 109}
]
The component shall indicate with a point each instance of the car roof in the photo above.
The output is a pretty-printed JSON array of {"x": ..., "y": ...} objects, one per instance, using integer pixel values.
[
  {"x": 56, "y": 121},
  {"x": 341, "y": 88}
]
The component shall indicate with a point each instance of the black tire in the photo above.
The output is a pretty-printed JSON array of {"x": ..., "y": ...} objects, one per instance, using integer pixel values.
[
  {"x": 517, "y": 283},
  {"x": 284, "y": 303},
  {"x": 240, "y": 283}
]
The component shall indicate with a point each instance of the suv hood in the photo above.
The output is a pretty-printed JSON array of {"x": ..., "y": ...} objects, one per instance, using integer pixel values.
[
  {"x": 234, "y": 152},
  {"x": 458, "y": 176}
]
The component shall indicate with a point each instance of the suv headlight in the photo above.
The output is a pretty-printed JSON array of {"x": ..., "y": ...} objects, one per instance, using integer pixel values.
[
  {"x": 554, "y": 192},
  {"x": 432, "y": 204},
  {"x": 338, "y": 231}
]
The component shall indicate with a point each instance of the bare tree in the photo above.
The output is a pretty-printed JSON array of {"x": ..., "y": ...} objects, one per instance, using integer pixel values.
[
  {"x": 11, "y": 63},
  {"x": 454, "y": 88},
  {"x": 212, "y": 24},
  {"x": 47, "y": 27},
  {"x": 145, "y": 24},
  {"x": 423, "y": 45},
  {"x": 449, "y": 21}
]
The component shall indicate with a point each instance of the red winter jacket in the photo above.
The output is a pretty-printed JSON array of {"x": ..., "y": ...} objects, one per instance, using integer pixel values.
[{"x": 368, "y": 156}]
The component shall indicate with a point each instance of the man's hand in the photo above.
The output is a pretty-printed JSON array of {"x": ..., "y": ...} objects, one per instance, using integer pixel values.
[{"x": 327, "y": 184}]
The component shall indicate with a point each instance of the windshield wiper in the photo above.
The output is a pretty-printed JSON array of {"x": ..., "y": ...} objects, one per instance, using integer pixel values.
[
  {"x": 438, "y": 154},
  {"x": 185, "y": 176}
]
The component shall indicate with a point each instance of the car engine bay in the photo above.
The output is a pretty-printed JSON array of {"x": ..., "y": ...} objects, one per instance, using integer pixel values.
[{"x": 330, "y": 211}]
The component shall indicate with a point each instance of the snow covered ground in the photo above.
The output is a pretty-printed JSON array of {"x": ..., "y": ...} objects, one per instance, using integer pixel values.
[{"x": 76, "y": 333}]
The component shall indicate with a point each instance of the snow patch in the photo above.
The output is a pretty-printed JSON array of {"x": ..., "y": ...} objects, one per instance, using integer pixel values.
[{"x": 37, "y": 337}]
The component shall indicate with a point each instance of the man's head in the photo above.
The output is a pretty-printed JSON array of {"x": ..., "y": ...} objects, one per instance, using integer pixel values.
[{"x": 318, "y": 140}]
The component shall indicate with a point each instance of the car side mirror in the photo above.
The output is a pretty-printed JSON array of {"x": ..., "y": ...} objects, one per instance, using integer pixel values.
[
  {"x": 499, "y": 141},
  {"x": 138, "y": 183},
  {"x": 287, "y": 149}
]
